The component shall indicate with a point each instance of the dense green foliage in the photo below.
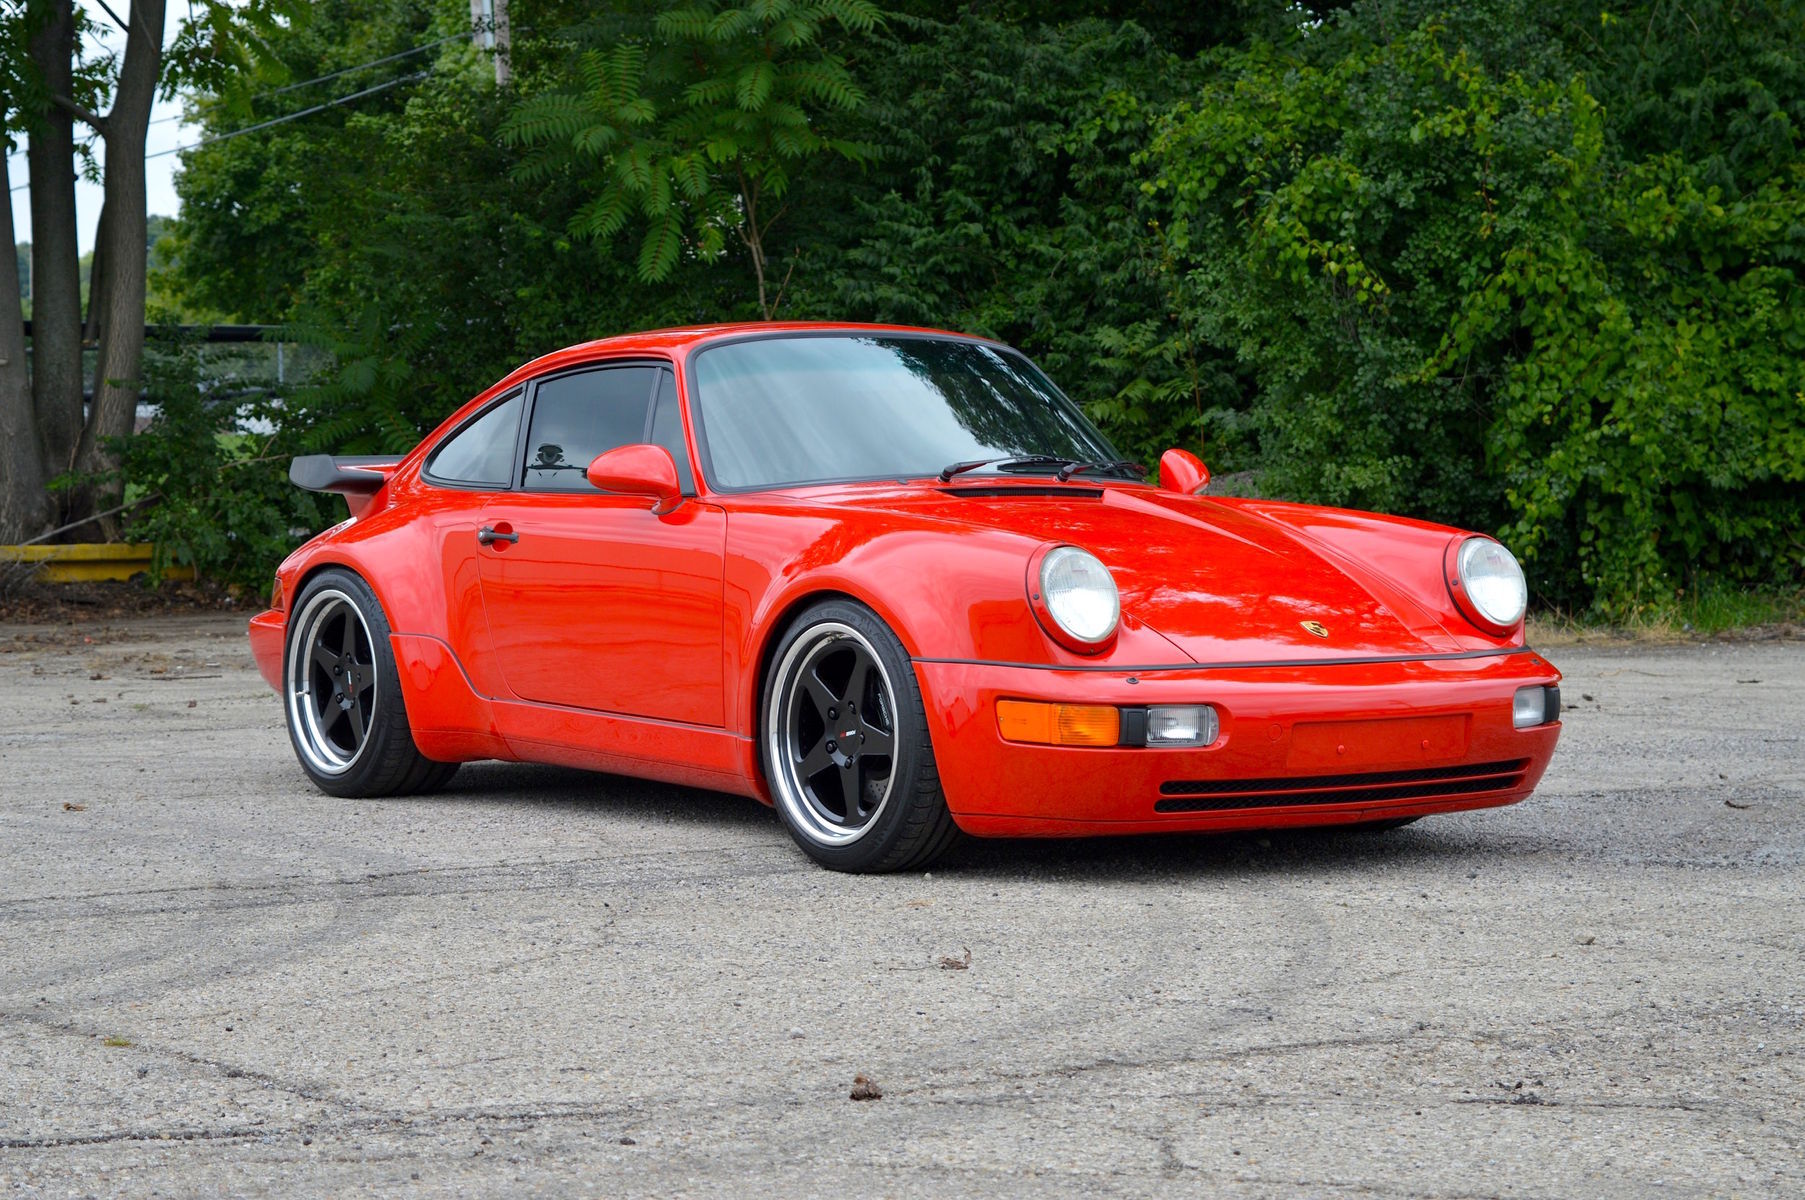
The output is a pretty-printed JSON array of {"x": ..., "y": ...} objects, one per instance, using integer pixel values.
[
  {"x": 1462, "y": 293},
  {"x": 218, "y": 497},
  {"x": 699, "y": 129},
  {"x": 1010, "y": 204},
  {"x": 1526, "y": 268}
]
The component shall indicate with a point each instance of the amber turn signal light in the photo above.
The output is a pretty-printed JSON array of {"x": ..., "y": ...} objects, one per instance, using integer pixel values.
[{"x": 1059, "y": 724}]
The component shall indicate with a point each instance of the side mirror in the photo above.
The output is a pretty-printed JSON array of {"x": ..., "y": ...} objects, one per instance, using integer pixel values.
[
  {"x": 639, "y": 471},
  {"x": 1182, "y": 471}
]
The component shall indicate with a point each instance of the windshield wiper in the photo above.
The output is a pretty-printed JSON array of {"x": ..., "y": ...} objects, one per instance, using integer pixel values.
[
  {"x": 1019, "y": 460},
  {"x": 1121, "y": 464}
]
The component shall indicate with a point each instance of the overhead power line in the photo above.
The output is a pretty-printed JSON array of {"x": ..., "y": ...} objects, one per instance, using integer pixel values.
[
  {"x": 294, "y": 116},
  {"x": 375, "y": 62},
  {"x": 370, "y": 91}
]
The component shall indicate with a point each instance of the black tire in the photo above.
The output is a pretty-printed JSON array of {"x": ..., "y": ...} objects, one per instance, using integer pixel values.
[
  {"x": 357, "y": 741},
  {"x": 898, "y": 820}
]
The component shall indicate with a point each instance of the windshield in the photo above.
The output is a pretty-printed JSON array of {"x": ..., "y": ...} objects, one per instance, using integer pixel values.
[{"x": 815, "y": 409}]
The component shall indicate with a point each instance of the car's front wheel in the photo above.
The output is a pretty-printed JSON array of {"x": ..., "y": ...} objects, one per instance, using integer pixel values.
[
  {"x": 342, "y": 695},
  {"x": 845, "y": 745}
]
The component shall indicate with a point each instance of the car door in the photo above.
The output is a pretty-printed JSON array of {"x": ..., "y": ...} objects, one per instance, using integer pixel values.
[{"x": 594, "y": 601}]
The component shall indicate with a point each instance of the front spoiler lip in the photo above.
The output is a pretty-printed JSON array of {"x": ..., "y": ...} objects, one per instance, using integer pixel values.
[
  {"x": 1228, "y": 821},
  {"x": 1250, "y": 665}
]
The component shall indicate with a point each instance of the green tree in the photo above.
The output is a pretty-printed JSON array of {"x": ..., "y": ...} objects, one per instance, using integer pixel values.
[
  {"x": 1462, "y": 295},
  {"x": 1008, "y": 201},
  {"x": 698, "y": 126},
  {"x": 51, "y": 86},
  {"x": 1523, "y": 267}
]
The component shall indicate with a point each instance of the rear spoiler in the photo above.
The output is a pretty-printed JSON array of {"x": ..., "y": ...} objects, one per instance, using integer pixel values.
[{"x": 356, "y": 477}]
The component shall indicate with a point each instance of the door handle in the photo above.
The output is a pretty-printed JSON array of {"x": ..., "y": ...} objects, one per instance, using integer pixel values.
[{"x": 486, "y": 535}]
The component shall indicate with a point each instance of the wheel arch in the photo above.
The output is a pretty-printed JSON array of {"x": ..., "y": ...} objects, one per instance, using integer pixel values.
[
  {"x": 319, "y": 567},
  {"x": 772, "y": 634},
  {"x": 771, "y": 631},
  {"x": 330, "y": 559},
  {"x": 916, "y": 827}
]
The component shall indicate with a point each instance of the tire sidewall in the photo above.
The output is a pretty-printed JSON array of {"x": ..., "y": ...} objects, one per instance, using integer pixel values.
[{"x": 911, "y": 737}]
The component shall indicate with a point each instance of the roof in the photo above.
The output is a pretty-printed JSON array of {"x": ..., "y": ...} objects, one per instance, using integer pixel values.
[{"x": 675, "y": 342}]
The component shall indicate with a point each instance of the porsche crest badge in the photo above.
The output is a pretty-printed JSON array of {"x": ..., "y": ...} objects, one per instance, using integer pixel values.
[{"x": 1315, "y": 628}]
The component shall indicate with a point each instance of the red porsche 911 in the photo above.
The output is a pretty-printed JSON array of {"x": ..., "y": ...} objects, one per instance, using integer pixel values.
[{"x": 892, "y": 582}]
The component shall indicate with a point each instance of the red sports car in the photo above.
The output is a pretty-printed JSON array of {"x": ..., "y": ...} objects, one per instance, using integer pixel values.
[{"x": 893, "y": 582}]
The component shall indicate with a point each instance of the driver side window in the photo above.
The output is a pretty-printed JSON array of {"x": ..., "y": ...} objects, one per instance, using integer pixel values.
[{"x": 580, "y": 415}]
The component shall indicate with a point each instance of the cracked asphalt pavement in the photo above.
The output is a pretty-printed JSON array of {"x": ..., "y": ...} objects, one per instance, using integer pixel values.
[{"x": 215, "y": 980}]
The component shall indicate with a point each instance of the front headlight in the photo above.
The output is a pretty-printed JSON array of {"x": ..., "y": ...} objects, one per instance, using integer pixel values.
[
  {"x": 1078, "y": 593},
  {"x": 1489, "y": 584}
]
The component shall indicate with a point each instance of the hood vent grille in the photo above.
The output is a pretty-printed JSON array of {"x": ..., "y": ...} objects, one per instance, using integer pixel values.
[{"x": 1068, "y": 493}]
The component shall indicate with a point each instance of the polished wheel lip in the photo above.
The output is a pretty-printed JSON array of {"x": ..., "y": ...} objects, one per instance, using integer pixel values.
[
  {"x": 319, "y": 751},
  {"x": 782, "y": 739}
]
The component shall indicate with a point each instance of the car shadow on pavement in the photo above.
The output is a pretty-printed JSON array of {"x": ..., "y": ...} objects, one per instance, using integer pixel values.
[
  {"x": 1274, "y": 851},
  {"x": 606, "y": 796},
  {"x": 1448, "y": 842}
]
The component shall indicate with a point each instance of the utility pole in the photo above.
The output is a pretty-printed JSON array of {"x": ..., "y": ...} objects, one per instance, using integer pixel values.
[{"x": 490, "y": 20}]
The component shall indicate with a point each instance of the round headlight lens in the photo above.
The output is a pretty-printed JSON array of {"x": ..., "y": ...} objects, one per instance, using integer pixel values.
[
  {"x": 1080, "y": 594},
  {"x": 1493, "y": 581}
]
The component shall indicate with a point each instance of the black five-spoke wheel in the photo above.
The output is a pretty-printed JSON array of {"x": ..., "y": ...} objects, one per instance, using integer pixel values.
[
  {"x": 343, "y": 695},
  {"x": 336, "y": 686},
  {"x": 841, "y": 732},
  {"x": 845, "y": 745}
]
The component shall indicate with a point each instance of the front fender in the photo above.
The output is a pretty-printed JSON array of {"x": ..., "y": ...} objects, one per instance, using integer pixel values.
[{"x": 947, "y": 593}]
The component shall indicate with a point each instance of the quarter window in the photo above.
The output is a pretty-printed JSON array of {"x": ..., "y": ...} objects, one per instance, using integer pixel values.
[
  {"x": 667, "y": 430},
  {"x": 581, "y": 415},
  {"x": 480, "y": 454}
]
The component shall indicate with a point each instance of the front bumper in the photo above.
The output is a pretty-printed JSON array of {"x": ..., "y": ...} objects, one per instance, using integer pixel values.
[{"x": 1316, "y": 745}]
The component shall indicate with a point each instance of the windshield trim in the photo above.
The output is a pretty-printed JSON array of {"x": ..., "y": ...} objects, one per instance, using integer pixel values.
[{"x": 699, "y": 423}]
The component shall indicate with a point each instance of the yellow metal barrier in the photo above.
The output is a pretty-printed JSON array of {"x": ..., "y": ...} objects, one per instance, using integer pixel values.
[{"x": 88, "y": 561}]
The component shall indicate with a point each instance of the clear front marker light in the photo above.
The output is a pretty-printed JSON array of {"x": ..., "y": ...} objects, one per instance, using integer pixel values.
[
  {"x": 1531, "y": 707},
  {"x": 1181, "y": 725}
]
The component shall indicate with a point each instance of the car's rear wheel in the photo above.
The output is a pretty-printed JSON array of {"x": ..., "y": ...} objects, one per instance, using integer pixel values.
[
  {"x": 342, "y": 695},
  {"x": 845, "y": 745}
]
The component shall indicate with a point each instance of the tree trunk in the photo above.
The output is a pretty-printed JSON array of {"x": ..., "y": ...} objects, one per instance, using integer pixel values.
[
  {"x": 754, "y": 239},
  {"x": 23, "y": 505},
  {"x": 120, "y": 302},
  {"x": 56, "y": 320},
  {"x": 89, "y": 327}
]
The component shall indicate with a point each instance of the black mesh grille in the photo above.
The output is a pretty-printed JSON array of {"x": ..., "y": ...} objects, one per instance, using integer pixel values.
[
  {"x": 1011, "y": 491},
  {"x": 1210, "y": 795}
]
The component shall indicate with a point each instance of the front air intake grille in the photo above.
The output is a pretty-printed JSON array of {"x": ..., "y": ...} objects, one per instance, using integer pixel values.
[{"x": 1212, "y": 795}]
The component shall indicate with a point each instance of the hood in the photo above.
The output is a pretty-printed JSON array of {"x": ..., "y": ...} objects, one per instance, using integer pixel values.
[{"x": 1222, "y": 584}]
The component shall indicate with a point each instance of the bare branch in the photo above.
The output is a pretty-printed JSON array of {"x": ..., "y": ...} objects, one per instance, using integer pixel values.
[
  {"x": 766, "y": 228},
  {"x": 95, "y": 120},
  {"x": 781, "y": 288}
]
